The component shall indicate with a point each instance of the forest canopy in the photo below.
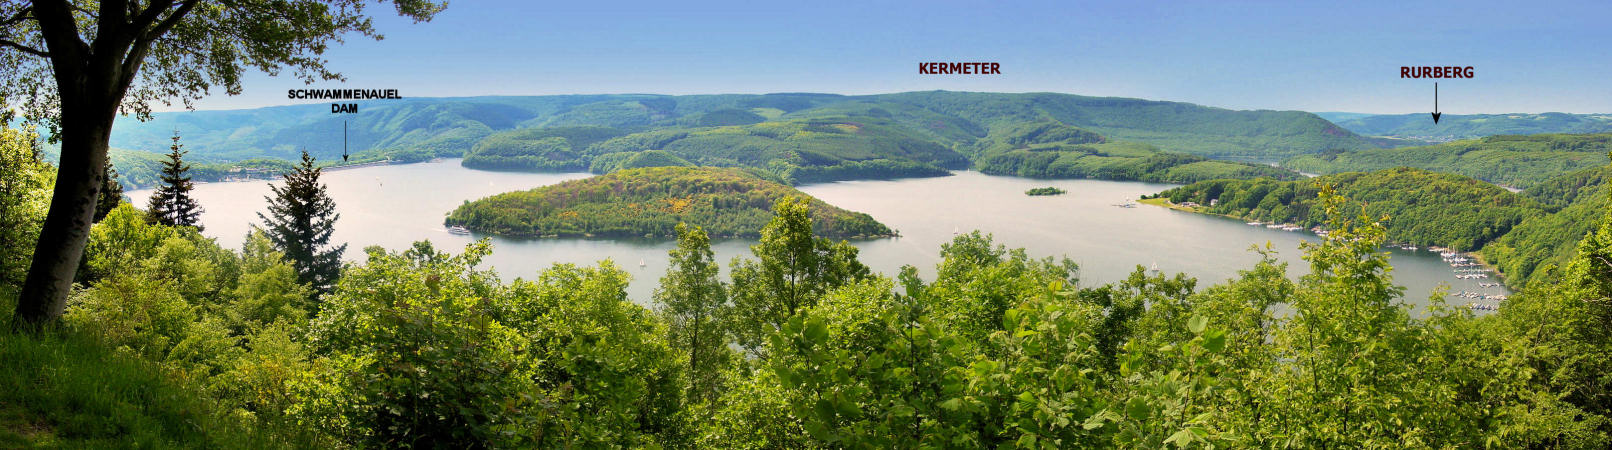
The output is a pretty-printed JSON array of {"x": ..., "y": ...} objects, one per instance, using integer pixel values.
[
  {"x": 1575, "y": 200},
  {"x": 1421, "y": 207}
]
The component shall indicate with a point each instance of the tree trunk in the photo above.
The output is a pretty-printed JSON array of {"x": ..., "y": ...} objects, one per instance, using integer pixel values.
[{"x": 79, "y": 177}]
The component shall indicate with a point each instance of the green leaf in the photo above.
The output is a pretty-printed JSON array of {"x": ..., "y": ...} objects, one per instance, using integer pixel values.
[
  {"x": 1181, "y": 438},
  {"x": 824, "y": 410},
  {"x": 846, "y": 407},
  {"x": 791, "y": 380},
  {"x": 1138, "y": 409},
  {"x": 817, "y": 430},
  {"x": 1097, "y": 420},
  {"x": 1214, "y": 340},
  {"x": 952, "y": 404},
  {"x": 816, "y": 331},
  {"x": 1197, "y": 323}
]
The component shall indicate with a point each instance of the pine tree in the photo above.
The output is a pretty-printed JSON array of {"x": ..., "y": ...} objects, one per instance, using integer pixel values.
[
  {"x": 171, "y": 204},
  {"x": 300, "y": 221},
  {"x": 111, "y": 194}
]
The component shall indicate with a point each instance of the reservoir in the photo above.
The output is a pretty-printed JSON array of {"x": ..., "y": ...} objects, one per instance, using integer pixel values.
[{"x": 394, "y": 205}]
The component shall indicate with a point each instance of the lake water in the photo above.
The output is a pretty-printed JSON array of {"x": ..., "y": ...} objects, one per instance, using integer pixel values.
[{"x": 393, "y": 206}]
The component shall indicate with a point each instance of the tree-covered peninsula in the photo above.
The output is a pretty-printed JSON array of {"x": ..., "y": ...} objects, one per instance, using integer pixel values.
[
  {"x": 1523, "y": 234},
  {"x": 1423, "y": 208},
  {"x": 1576, "y": 201},
  {"x": 650, "y": 202}
]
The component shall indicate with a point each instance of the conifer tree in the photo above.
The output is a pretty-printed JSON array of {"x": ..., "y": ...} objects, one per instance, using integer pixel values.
[
  {"x": 111, "y": 194},
  {"x": 301, "y": 218},
  {"x": 171, "y": 204}
]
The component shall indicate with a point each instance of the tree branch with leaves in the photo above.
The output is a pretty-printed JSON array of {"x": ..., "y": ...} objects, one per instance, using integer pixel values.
[{"x": 73, "y": 66}]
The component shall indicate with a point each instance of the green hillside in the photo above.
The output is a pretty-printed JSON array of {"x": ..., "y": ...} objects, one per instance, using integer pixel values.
[
  {"x": 1053, "y": 150},
  {"x": 1519, "y": 161},
  {"x": 1173, "y": 126},
  {"x": 611, "y": 162},
  {"x": 422, "y": 128},
  {"x": 1519, "y": 233},
  {"x": 1468, "y": 126},
  {"x": 538, "y": 149},
  {"x": 651, "y": 202},
  {"x": 141, "y": 169},
  {"x": 73, "y": 391},
  {"x": 798, "y": 150},
  {"x": 1579, "y": 200},
  {"x": 1423, "y": 208}
]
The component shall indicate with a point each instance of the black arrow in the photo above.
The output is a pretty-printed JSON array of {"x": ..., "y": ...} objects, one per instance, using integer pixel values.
[
  {"x": 344, "y": 134},
  {"x": 1435, "y": 102}
]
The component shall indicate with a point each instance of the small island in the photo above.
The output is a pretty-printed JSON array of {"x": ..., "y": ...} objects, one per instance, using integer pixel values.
[
  {"x": 1040, "y": 191},
  {"x": 650, "y": 202}
]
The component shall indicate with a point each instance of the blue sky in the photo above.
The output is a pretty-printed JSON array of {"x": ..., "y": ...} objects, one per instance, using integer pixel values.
[{"x": 1534, "y": 56}]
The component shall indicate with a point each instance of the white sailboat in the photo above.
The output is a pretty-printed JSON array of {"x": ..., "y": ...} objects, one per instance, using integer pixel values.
[{"x": 642, "y": 262}]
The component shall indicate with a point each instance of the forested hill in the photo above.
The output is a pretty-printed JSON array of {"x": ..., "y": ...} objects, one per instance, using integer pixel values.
[
  {"x": 1519, "y": 233},
  {"x": 141, "y": 169},
  {"x": 1261, "y": 135},
  {"x": 1469, "y": 126},
  {"x": 797, "y": 150},
  {"x": 1577, "y": 200},
  {"x": 1053, "y": 150},
  {"x": 1519, "y": 161},
  {"x": 650, "y": 202},
  {"x": 418, "y": 128},
  {"x": 1423, "y": 208}
]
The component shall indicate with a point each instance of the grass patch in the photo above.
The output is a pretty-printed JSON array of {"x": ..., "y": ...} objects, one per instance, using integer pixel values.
[
  {"x": 1165, "y": 202},
  {"x": 69, "y": 392}
]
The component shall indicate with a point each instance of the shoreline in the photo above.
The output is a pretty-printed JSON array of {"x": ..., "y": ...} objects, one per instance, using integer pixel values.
[{"x": 1475, "y": 255}]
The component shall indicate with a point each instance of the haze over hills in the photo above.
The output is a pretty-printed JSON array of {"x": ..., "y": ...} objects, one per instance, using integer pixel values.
[
  {"x": 1420, "y": 126},
  {"x": 448, "y": 126},
  {"x": 1512, "y": 160}
]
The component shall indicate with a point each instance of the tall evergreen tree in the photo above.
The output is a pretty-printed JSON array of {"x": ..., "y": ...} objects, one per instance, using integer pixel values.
[
  {"x": 693, "y": 300},
  {"x": 74, "y": 65},
  {"x": 171, "y": 204},
  {"x": 111, "y": 194},
  {"x": 300, "y": 221}
]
